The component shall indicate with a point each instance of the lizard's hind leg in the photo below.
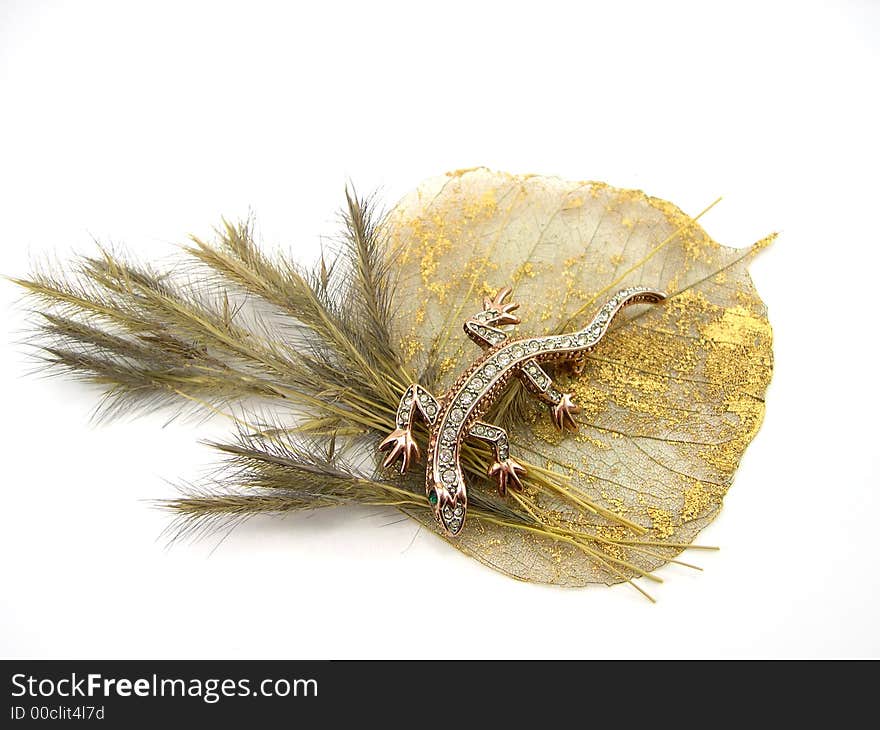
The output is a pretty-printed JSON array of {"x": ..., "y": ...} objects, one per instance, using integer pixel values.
[
  {"x": 540, "y": 383},
  {"x": 505, "y": 469}
]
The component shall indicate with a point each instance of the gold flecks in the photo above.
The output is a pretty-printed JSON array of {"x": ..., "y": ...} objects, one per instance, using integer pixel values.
[
  {"x": 764, "y": 242},
  {"x": 615, "y": 504},
  {"x": 544, "y": 429},
  {"x": 697, "y": 499},
  {"x": 526, "y": 269},
  {"x": 585, "y": 438},
  {"x": 737, "y": 327},
  {"x": 410, "y": 346},
  {"x": 486, "y": 289},
  {"x": 661, "y": 521},
  {"x": 447, "y": 364}
]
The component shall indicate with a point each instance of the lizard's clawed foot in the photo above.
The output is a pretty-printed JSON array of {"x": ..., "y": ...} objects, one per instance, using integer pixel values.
[
  {"x": 563, "y": 413},
  {"x": 499, "y": 311},
  {"x": 507, "y": 472},
  {"x": 401, "y": 444}
]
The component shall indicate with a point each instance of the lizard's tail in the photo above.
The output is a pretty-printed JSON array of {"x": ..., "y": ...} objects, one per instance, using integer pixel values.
[{"x": 596, "y": 329}]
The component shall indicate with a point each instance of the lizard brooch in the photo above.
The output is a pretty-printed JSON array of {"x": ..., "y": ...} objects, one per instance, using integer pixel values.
[{"x": 456, "y": 415}]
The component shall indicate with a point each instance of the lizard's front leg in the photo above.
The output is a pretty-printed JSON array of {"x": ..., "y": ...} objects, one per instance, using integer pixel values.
[
  {"x": 505, "y": 469},
  {"x": 400, "y": 442},
  {"x": 539, "y": 382}
]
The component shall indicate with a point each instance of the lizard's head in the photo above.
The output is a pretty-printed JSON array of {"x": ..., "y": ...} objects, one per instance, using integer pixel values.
[{"x": 450, "y": 508}]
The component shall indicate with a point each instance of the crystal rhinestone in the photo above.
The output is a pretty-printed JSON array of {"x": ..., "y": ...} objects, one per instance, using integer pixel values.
[
  {"x": 449, "y": 434},
  {"x": 407, "y": 402},
  {"x": 533, "y": 345},
  {"x": 458, "y": 511},
  {"x": 456, "y": 414},
  {"x": 476, "y": 384},
  {"x": 431, "y": 410},
  {"x": 454, "y": 525},
  {"x": 447, "y": 512},
  {"x": 582, "y": 339},
  {"x": 445, "y": 455},
  {"x": 489, "y": 371},
  {"x": 479, "y": 430},
  {"x": 404, "y": 417},
  {"x": 465, "y": 397},
  {"x": 449, "y": 476},
  {"x": 516, "y": 351},
  {"x": 503, "y": 358}
]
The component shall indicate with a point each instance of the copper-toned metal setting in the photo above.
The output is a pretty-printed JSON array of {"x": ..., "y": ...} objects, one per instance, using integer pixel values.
[{"x": 456, "y": 415}]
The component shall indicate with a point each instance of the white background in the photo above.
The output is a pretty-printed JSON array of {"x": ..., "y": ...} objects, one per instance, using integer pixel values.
[{"x": 139, "y": 123}]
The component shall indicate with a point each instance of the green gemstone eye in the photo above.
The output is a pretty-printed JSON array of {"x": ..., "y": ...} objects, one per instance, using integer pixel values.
[{"x": 432, "y": 498}]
